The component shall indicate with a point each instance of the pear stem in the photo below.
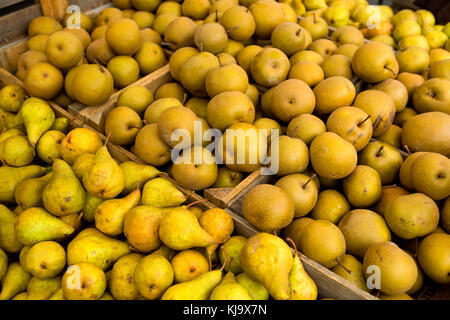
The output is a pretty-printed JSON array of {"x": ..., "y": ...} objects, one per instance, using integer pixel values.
[
  {"x": 310, "y": 178},
  {"x": 232, "y": 28},
  {"x": 107, "y": 139},
  {"x": 78, "y": 219},
  {"x": 407, "y": 149},
  {"x": 379, "y": 151},
  {"x": 166, "y": 43},
  {"x": 298, "y": 32},
  {"x": 386, "y": 67},
  {"x": 185, "y": 96},
  {"x": 293, "y": 244},
  {"x": 217, "y": 15},
  {"x": 367, "y": 118},
  {"x": 226, "y": 258},
  {"x": 195, "y": 202},
  {"x": 343, "y": 267},
  {"x": 314, "y": 18}
]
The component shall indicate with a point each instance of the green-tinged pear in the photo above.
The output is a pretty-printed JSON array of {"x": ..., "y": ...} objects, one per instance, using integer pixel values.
[
  {"x": 198, "y": 289},
  {"x": 8, "y": 239},
  {"x": 10, "y": 178},
  {"x": 15, "y": 281},
  {"x": 121, "y": 284},
  {"x": 64, "y": 194},
  {"x": 110, "y": 214},
  {"x": 3, "y": 263},
  {"x": 42, "y": 289},
  {"x": 104, "y": 178},
  {"x": 58, "y": 295},
  {"x": 35, "y": 225},
  {"x": 91, "y": 204},
  {"x": 46, "y": 259},
  {"x": 61, "y": 124},
  {"x": 230, "y": 289},
  {"x": 29, "y": 192},
  {"x": 136, "y": 173},
  {"x": 301, "y": 284},
  {"x": 20, "y": 296},
  {"x": 255, "y": 288},
  {"x": 90, "y": 245},
  {"x": 37, "y": 117},
  {"x": 161, "y": 193},
  {"x": 153, "y": 275},
  {"x": 180, "y": 230},
  {"x": 268, "y": 259},
  {"x": 10, "y": 120},
  {"x": 82, "y": 164},
  {"x": 165, "y": 251}
]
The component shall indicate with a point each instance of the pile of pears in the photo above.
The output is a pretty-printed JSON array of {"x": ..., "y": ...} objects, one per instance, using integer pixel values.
[{"x": 66, "y": 62}]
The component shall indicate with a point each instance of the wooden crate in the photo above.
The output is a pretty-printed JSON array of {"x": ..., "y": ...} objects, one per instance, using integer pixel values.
[{"x": 14, "y": 26}]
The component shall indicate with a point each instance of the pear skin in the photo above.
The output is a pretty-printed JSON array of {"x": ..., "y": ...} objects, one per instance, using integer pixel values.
[
  {"x": 58, "y": 295},
  {"x": 230, "y": 289},
  {"x": 136, "y": 173},
  {"x": 105, "y": 178},
  {"x": 180, "y": 230},
  {"x": 82, "y": 164},
  {"x": 188, "y": 265},
  {"x": 257, "y": 290},
  {"x": 3, "y": 263},
  {"x": 11, "y": 177},
  {"x": 35, "y": 225},
  {"x": 219, "y": 224},
  {"x": 46, "y": 259},
  {"x": 90, "y": 245},
  {"x": 166, "y": 252},
  {"x": 83, "y": 281},
  {"x": 153, "y": 275},
  {"x": 29, "y": 192},
  {"x": 351, "y": 269},
  {"x": 268, "y": 259},
  {"x": 161, "y": 193},
  {"x": 91, "y": 204},
  {"x": 198, "y": 289},
  {"x": 42, "y": 289},
  {"x": 301, "y": 284},
  {"x": 233, "y": 247},
  {"x": 110, "y": 214},
  {"x": 37, "y": 117},
  {"x": 64, "y": 194},
  {"x": 15, "y": 280},
  {"x": 8, "y": 239},
  {"x": 121, "y": 284}
]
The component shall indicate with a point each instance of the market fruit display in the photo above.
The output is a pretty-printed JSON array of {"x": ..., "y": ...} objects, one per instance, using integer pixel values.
[{"x": 354, "y": 117}]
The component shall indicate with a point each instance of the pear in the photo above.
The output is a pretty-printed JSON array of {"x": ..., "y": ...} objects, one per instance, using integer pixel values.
[
  {"x": 178, "y": 58},
  {"x": 351, "y": 270},
  {"x": 29, "y": 192},
  {"x": 219, "y": 224},
  {"x": 16, "y": 151},
  {"x": 290, "y": 38},
  {"x": 10, "y": 120},
  {"x": 45, "y": 259},
  {"x": 104, "y": 179},
  {"x": 20, "y": 296},
  {"x": 82, "y": 164},
  {"x": 361, "y": 229},
  {"x": 445, "y": 215},
  {"x": 194, "y": 70},
  {"x": 305, "y": 127},
  {"x": 8, "y": 240},
  {"x": 232, "y": 248},
  {"x": 58, "y": 295},
  {"x": 83, "y": 281},
  {"x": 270, "y": 67},
  {"x": 301, "y": 284},
  {"x": 121, "y": 284},
  {"x": 35, "y": 225},
  {"x": 206, "y": 42},
  {"x": 64, "y": 194},
  {"x": 388, "y": 193},
  {"x": 267, "y": 14},
  {"x": 136, "y": 173},
  {"x": 230, "y": 289},
  {"x": 268, "y": 259},
  {"x": 180, "y": 230},
  {"x": 161, "y": 193},
  {"x": 433, "y": 257},
  {"x": 159, "y": 154},
  {"x": 397, "y": 270},
  {"x": 12, "y": 97},
  {"x": 362, "y": 187},
  {"x": 229, "y": 107},
  {"x": 227, "y": 178},
  {"x": 3, "y": 263},
  {"x": 323, "y": 249},
  {"x": 77, "y": 142},
  {"x": 256, "y": 290},
  {"x": 295, "y": 229},
  {"x": 198, "y": 289},
  {"x": 90, "y": 245},
  {"x": 268, "y": 207},
  {"x": 331, "y": 205},
  {"x": 141, "y": 225},
  {"x": 42, "y": 289},
  {"x": 11, "y": 177},
  {"x": 153, "y": 275},
  {"x": 188, "y": 265},
  {"x": 166, "y": 252},
  {"x": 110, "y": 214},
  {"x": 91, "y": 204},
  {"x": 430, "y": 174},
  {"x": 14, "y": 281},
  {"x": 47, "y": 147},
  {"x": 37, "y": 117},
  {"x": 413, "y": 215}
]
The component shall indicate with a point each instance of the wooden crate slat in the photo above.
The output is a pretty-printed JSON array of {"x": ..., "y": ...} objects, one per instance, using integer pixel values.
[{"x": 7, "y": 3}]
